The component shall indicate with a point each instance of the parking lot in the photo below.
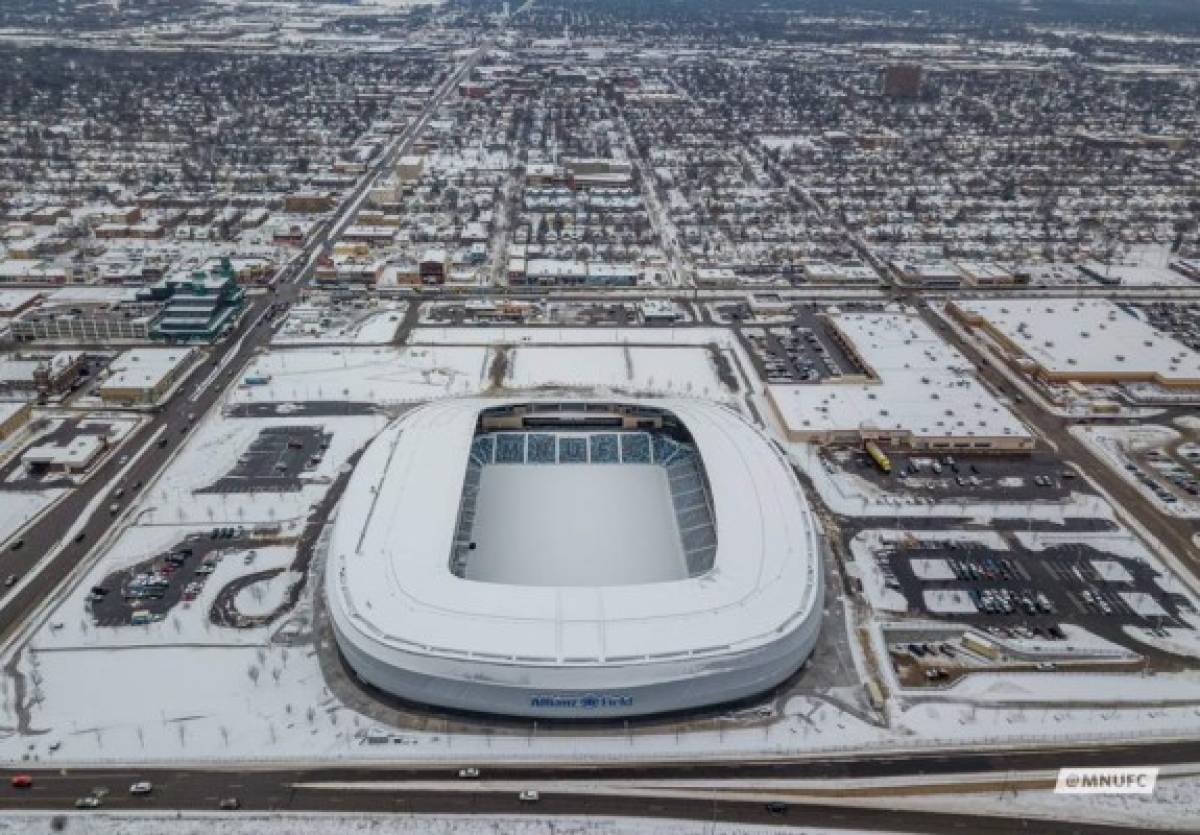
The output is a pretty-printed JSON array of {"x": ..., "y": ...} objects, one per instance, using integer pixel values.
[
  {"x": 275, "y": 461},
  {"x": 800, "y": 352},
  {"x": 1171, "y": 473},
  {"x": 1019, "y": 593},
  {"x": 1181, "y": 321},
  {"x": 147, "y": 591},
  {"x": 1030, "y": 477}
]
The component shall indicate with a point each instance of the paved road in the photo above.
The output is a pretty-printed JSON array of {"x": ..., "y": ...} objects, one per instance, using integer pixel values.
[
  {"x": 450, "y": 802},
  {"x": 274, "y": 789}
]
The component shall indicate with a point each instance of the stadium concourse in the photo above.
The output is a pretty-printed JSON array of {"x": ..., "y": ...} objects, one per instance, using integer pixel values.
[{"x": 574, "y": 558}]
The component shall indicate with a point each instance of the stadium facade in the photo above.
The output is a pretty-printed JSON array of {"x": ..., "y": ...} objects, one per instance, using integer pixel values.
[{"x": 574, "y": 559}]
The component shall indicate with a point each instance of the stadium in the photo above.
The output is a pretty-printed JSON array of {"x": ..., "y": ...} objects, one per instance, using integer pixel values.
[{"x": 573, "y": 559}]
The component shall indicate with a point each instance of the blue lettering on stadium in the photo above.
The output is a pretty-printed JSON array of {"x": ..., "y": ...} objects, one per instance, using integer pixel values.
[{"x": 590, "y": 701}]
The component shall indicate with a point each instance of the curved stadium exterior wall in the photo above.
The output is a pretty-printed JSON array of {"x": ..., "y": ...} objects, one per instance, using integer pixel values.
[{"x": 410, "y": 626}]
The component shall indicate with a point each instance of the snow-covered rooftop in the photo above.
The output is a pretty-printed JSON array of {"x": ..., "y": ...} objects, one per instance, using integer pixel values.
[
  {"x": 1085, "y": 337},
  {"x": 389, "y": 579},
  {"x": 920, "y": 385},
  {"x": 144, "y": 368}
]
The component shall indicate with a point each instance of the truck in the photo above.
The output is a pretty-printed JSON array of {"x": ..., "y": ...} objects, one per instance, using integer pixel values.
[{"x": 882, "y": 461}]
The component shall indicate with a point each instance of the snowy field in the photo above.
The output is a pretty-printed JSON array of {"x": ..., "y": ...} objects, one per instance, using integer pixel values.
[
  {"x": 681, "y": 370},
  {"x": 379, "y": 375},
  {"x": 575, "y": 525},
  {"x": 424, "y": 372}
]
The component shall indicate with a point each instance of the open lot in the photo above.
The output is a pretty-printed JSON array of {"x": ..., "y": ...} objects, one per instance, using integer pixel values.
[{"x": 276, "y": 461}]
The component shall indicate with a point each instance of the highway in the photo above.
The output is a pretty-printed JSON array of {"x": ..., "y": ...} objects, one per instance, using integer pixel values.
[
  {"x": 436, "y": 790},
  {"x": 167, "y": 794}
]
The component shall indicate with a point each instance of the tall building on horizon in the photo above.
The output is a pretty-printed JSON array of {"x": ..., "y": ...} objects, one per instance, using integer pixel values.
[{"x": 902, "y": 81}]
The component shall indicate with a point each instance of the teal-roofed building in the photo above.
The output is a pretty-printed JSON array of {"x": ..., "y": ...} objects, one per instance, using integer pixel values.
[{"x": 197, "y": 306}]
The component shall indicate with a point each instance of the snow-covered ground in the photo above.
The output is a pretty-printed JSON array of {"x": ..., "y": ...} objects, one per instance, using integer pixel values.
[
  {"x": 949, "y": 601},
  {"x": 279, "y": 823},
  {"x": 265, "y": 596},
  {"x": 378, "y": 375},
  {"x": 682, "y": 370},
  {"x": 212, "y": 452}
]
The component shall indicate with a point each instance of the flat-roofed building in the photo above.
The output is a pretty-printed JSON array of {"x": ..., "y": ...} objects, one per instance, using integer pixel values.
[
  {"x": 142, "y": 376},
  {"x": 1081, "y": 340},
  {"x": 74, "y": 457},
  {"x": 917, "y": 393}
]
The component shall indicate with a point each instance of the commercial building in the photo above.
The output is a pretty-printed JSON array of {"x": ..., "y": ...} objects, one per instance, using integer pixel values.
[
  {"x": 196, "y": 307},
  {"x": 917, "y": 393},
  {"x": 44, "y": 374},
  {"x": 87, "y": 324},
  {"x": 1085, "y": 341},
  {"x": 74, "y": 457},
  {"x": 409, "y": 168},
  {"x": 142, "y": 376}
]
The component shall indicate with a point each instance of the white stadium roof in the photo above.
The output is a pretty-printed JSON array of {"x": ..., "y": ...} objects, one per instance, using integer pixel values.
[{"x": 393, "y": 537}]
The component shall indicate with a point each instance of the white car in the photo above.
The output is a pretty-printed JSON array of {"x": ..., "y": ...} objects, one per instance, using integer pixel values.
[
  {"x": 88, "y": 802},
  {"x": 142, "y": 787},
  {"x": 468, "y": 773},
  {"x": 529, "y": 796}
]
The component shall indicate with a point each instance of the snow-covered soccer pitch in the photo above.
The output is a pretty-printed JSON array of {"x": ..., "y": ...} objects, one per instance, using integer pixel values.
[{"x": 574, "y": 559}]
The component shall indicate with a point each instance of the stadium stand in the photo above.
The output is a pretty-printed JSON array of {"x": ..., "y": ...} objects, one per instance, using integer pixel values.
[{"x": 540, "y": 449}]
